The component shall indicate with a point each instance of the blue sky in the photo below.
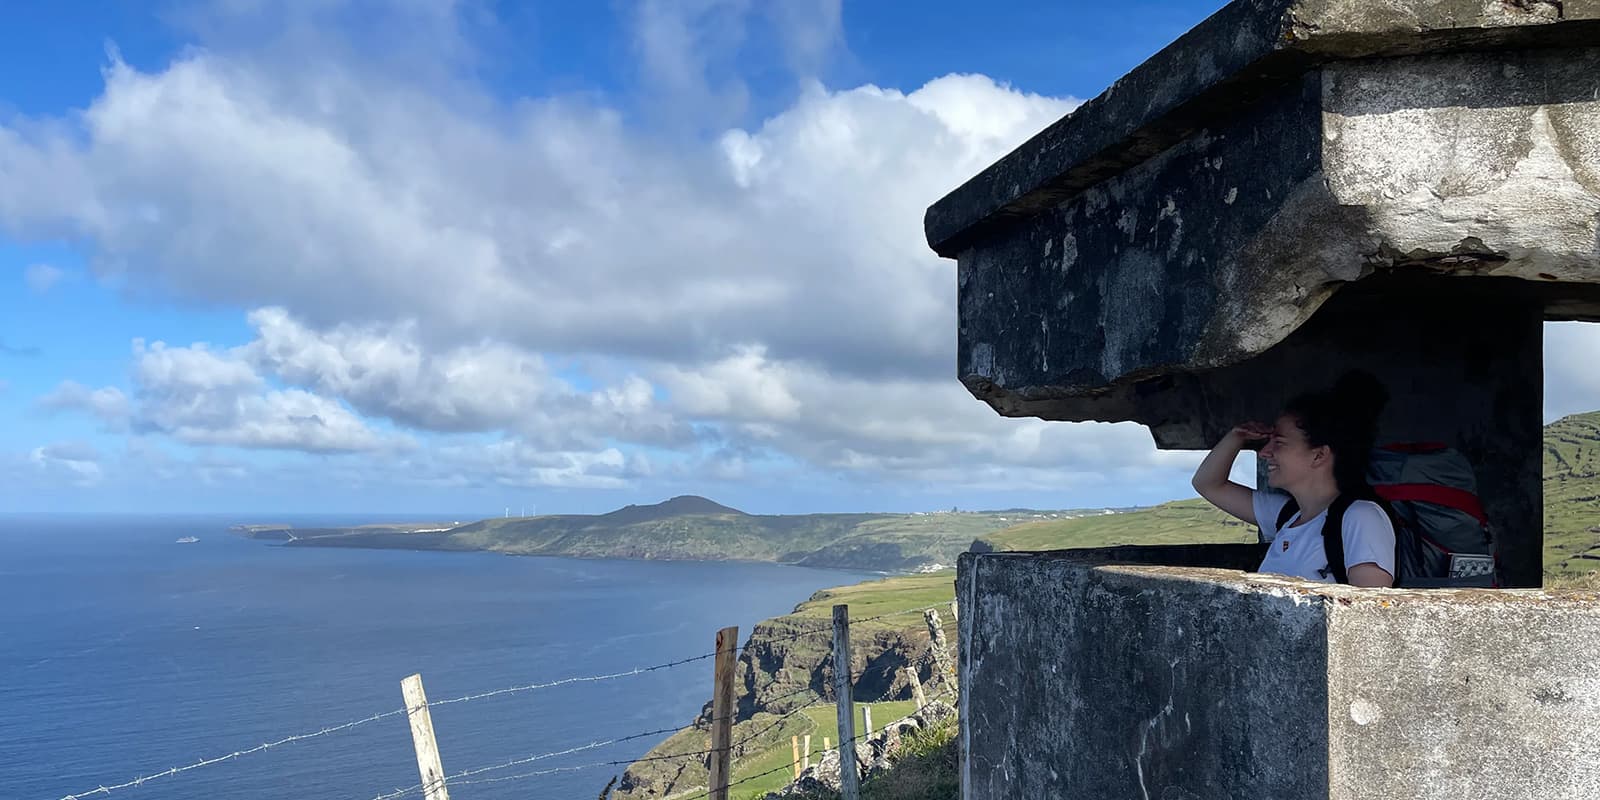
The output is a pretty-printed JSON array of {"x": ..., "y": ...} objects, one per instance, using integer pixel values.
[{"x": 424, "y": 258}]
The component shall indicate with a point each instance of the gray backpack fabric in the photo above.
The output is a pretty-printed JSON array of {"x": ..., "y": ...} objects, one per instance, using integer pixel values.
[{"x": 1442, "y": 536}]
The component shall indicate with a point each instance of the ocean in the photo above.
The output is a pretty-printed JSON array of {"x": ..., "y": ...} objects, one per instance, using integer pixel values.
[{"x": 126, "y": 653}]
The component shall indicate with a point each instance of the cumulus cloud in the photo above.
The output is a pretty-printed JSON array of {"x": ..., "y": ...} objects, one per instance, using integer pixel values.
[
  {"x": 904, "y": 429},
  {"x": 518, "y": 464},
  {"x": 382, "y": 370},
  {"x": 201, "y": 396},
  {"x": 541, "y": 290},
  {"x": 292, "y": 388},
  {"x": 108, "y": 403},
  {"x": 387, "y": 371},
  {"x": 78, "y": 463},
  {"x": 743, "y": 386},
  {"x": 546, "y": 224},
  {"x": 542, "y": 271},
  {"x": 1571, "y": 382},
  {"x": 41, "y": 277}
]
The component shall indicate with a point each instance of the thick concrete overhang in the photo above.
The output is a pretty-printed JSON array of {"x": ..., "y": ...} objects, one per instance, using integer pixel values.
[{"x": 1133, "y": 260}]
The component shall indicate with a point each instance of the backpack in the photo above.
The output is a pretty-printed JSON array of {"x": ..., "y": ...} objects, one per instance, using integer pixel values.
[{"x": 1442, "y": 536}]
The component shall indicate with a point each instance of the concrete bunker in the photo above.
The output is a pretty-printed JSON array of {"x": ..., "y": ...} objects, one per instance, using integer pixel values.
[{"x": 1292, "y": 189}]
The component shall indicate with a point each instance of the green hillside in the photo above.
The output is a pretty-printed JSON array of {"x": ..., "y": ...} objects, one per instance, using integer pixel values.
[
  {"x": 1180, "y": 522},
  {"x": 689, "y": 528},
  {"x": 1572, "y": 495}
]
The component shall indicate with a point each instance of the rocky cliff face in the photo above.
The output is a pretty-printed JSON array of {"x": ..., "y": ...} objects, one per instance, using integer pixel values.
[
  {"x": 787, "y": 665},
  {"x": 876, "y": 755}
]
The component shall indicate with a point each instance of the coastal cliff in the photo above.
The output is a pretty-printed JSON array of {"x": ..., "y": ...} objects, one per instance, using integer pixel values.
[
  {"x": 692, "y": 529},
  {"x": 784, "y": 682}
]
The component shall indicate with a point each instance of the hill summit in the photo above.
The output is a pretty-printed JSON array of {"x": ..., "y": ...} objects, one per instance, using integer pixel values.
[{"x": 683, "y": 505}]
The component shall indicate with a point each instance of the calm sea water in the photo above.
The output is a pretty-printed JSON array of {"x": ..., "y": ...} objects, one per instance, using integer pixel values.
[{"x": 124, "y": 653}]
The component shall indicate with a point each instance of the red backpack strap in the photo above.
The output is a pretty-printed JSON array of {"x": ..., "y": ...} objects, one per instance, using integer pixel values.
[{"x": 1458, "y": 499}]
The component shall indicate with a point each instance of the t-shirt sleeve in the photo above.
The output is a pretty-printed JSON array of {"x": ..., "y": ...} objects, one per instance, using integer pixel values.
[
  {"x": 1267, "y": 506},
  {"x": 1368, "y": 536}
]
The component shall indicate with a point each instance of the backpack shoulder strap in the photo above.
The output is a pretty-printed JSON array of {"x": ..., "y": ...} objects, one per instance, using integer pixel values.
[
  {"x": 1289, "y": 510},
  {"x": 1333, "y": 537}
]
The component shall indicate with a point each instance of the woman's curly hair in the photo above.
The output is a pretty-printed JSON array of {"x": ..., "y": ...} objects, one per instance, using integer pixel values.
[{"x": 1344, "y": 418}]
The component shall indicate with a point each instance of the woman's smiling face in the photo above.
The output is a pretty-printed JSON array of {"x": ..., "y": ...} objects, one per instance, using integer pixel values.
[{"x": 1290, "y": 458}]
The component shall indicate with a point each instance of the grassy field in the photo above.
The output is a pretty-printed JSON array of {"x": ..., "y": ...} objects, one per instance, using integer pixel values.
[
  {"x": 1572, "y": 496},
  {"x": 1181, "y": 522},
  {"x": 821, "y": 721},
  {"x": 885, "y": 596}
]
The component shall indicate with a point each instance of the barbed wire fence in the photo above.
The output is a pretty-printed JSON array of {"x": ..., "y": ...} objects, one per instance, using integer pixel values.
[{"x": 436, "y": 784}]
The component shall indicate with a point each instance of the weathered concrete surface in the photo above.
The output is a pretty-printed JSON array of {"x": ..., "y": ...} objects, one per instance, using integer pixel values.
[
  {"x": 1084, "y": 679},
  {"x": 1247, "y": 50},
  {"x": 1464, "y": 694},
  {"x": 1218, "y": 248}
]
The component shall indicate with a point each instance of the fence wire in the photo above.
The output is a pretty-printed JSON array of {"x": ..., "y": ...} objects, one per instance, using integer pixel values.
[
  {"x": 598, "y": 764},
  {"x": 858, "y": 737},
  {"x": 105, "y": 789}
]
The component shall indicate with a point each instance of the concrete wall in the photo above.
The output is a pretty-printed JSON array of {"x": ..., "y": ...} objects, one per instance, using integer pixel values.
[{"x": 1087, "y": 679}]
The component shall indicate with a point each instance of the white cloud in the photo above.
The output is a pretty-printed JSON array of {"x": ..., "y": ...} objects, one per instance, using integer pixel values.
[
  {"x": 1571, "y": 382},
  {"x": 517, "y": 464},
  {"x": 382, "y": 370},
  {"x": 108, "y": 403},
  {"x": 387, "y": 371},
  {"x": 545, "y": 289},
  {"x": 904, "y": 429},
  {"x": 200, "y": 396},
  {"x": 545, "y": 224},
  {"x": 742, "y": 386},
  {"x": 78, "y": 463},
  {"x": 41, "y": 277},
  {"x": 541, "y": 269}
]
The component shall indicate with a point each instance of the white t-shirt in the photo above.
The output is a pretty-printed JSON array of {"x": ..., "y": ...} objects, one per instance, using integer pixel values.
[{"x": 1296, "y": 550}]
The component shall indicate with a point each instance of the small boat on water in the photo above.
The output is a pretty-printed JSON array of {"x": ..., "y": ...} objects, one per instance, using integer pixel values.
[{"x": 188, "y": 540}]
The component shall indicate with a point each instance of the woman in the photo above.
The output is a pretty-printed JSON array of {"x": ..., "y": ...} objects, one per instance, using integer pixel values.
[{"x": 1317, "y": 452}]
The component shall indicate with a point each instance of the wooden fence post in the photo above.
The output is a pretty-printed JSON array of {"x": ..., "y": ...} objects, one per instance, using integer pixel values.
[
  {"x": 428, "y": 765},
  {"x": 826, "y": 744},
  {"x": 936, "y": 642},
  {"x": 918, "y": 697},
  {"x": 866, "y": 722},
  {"x": 722, "y": 712},
  {"x": 794, "y": 744},
  {"x": 805, "y": 765},
  {"x": 849, "y": 779}
]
